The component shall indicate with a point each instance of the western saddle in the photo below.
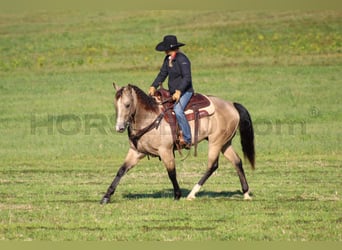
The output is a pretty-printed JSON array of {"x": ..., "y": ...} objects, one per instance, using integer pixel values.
[{"x": 197, "y": 108}]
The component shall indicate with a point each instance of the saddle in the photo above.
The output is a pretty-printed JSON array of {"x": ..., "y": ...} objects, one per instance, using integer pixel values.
[{"x": 198, "y": 107}]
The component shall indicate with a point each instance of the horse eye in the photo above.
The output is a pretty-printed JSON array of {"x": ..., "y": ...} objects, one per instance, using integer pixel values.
[{"x": 127, "y": 105}]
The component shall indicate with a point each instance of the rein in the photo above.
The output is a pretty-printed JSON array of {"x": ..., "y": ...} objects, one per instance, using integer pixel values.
[
  {"x": 155, "y": 124},
  {"x": 167, "y": 100}
]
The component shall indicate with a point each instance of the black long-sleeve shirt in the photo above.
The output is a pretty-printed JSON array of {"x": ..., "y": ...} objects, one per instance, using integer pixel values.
[{"x": 179, "y": 74}]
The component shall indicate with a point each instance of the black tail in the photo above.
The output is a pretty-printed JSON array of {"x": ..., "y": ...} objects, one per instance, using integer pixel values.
[{"x": 246, "y": 134}]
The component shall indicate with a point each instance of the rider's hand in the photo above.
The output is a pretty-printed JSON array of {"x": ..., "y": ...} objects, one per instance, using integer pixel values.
[
  {"x": 151, "y": 91},
  {"x": 176, "y": 95}
]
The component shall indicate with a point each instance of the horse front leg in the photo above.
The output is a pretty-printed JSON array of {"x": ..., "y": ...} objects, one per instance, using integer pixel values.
[
  {"x": 132, "y": 158},
  {"x": 176, "y": 189},
  {"x": 111, "y": 189},
  {"x": 169, "y": 162}
]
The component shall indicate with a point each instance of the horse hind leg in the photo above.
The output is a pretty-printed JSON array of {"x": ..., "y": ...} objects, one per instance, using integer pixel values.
[
  {"x": 197, "y": 187},
  {"x": 233, "y": 157}
]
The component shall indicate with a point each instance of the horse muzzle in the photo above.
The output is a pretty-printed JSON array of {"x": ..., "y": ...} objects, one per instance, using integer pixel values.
[{"x": 120, "y": 127}]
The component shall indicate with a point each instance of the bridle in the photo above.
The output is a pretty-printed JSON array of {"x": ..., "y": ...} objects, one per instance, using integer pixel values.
[{"x": 134, "y": 138}]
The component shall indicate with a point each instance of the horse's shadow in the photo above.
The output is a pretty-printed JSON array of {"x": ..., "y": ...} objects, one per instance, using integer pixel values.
[{"x": 168, "y": 193}]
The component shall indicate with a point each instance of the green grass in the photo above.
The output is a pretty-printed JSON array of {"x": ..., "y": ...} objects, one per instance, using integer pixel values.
[{"x": 59, "y": 152}]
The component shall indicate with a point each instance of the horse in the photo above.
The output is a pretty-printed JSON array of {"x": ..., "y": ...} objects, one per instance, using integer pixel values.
[{"x": 150, "y": 135}]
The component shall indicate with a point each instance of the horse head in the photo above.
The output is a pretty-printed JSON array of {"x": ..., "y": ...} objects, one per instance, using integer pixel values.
[{"x": 124, "y": 106}]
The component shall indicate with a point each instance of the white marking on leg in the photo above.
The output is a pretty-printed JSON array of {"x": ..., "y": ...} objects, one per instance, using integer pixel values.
[
  {"x": 193, "y": 192},
  {"x": 246, "y": 197}
]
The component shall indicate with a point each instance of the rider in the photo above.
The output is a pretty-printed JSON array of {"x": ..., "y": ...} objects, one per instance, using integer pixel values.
[{"x": 177, "y": 67}]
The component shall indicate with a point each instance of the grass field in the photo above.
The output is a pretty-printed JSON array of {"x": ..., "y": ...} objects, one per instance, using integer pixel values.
[{"x": 59, "y": 152}]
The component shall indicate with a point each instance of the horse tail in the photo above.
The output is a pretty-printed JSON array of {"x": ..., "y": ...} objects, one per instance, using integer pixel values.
[{"x": 246, "y": 134}]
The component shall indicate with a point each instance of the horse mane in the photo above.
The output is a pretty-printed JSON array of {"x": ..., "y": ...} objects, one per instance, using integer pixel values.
[
  {"x": 118, "y": 93},
  {"x": 148, "y": 102}
]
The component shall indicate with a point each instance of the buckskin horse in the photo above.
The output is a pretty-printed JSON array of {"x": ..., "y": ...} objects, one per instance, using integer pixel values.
[{"x": 151, "y": 135}]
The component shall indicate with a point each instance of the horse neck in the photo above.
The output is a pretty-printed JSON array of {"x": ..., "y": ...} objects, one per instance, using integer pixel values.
[{"x": 142, "y": 116}]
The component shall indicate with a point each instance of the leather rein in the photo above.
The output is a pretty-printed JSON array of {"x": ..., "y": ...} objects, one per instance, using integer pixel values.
[{"x": 155, "y": 124}]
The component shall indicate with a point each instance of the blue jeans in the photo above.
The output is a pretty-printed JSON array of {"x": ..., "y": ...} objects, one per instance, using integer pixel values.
[{"x": 181, "y": 118}]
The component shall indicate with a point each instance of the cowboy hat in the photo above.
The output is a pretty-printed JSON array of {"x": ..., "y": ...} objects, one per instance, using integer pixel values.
[{"x": 169, "y": 43}]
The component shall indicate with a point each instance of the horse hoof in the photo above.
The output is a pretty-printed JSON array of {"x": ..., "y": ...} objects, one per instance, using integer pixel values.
[
  {"x": 191, "y": 198},
  {"x": 177, "y": 196},
  {"x": 246, "y": 197},
  {"x": 105, "y": 200}
]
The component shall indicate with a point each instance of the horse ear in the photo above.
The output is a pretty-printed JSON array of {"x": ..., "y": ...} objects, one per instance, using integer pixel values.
[{"x": 116, "y": 87}]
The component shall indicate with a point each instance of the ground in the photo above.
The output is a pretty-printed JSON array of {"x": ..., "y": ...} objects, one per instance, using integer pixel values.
[{"x": 59, "y": 150}]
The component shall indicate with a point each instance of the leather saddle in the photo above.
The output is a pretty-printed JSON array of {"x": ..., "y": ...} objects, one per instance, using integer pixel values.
[
  {"x": 198, "y": 107},
  {"x": 198, "y": 103}
]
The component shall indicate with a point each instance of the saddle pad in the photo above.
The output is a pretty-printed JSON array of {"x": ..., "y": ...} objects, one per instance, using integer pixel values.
[{"x": 201, "y": 103}]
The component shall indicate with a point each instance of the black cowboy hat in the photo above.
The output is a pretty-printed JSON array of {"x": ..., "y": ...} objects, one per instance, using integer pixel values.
[{"x": 169, "y": 43}]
